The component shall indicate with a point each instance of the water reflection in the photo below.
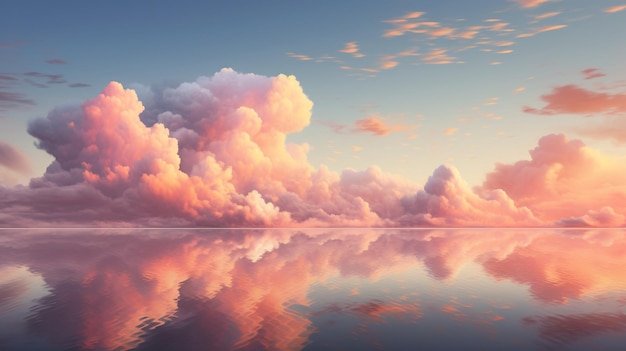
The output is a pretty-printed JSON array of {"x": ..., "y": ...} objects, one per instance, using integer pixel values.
[{"x": 322, "y": 289}]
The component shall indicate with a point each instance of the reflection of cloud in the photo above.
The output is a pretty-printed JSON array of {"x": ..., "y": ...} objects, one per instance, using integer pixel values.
[
  {"x": 567, "y": 329},
  {"x": 236, "y": 288}
]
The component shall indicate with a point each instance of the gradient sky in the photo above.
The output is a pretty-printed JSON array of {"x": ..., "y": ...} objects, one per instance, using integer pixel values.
[{"x": 404, "y": 85}]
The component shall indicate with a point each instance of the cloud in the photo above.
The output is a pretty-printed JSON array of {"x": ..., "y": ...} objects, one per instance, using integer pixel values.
[
  {"x": 450, "y": 131},
  {"x": 542, "y": 30},
  {"x": 79, "y": 85},
  {"x": 438, "y": 56},
  {"x": 571, "y": 99},
  {"x": 213, "y": 152},
  {"x": 299, "y": 57},
  {"x": 530, "y": 3},
  {"x": 591, "y": 73},
  {"x": 13, "y": 159},
  {"x": 614, "y": 9},
  {"x": 352, "y": 48},
  {"x": 555, "y": 183},
  {"x": 546, "y": 15},
  {"x": 56, "y": 61}
]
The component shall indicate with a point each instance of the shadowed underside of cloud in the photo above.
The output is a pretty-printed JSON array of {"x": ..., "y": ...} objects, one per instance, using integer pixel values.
[{"x": 213, "y": 152}]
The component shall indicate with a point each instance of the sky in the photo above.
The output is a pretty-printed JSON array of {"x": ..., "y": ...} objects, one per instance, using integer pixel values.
[{"x": 294, "y": 113}]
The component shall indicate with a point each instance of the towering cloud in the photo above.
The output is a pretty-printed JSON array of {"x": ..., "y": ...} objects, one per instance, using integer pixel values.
[
  {"x": 213, "y": 152},
  {"x": 565, "y": 178}
]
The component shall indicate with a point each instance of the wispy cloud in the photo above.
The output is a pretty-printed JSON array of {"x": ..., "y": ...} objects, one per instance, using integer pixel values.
[
  {"x": 546, "y": 15},
  {"x": 79, "y": 85},
  {"x": 299, "y": 57},
  {"x": 614, "y": 9},
  {"x": 542, "y": 30},
  {"x": 591, "y": 73},
  {"x": 352, "y": 48},
  {"x": 438, "y": 56},
  {"x": 56, "y": 61},
  {"x": 527, "y": 4},
  {"x": 377, "y": 127},
  {"x": 13, "y": 159},
  {"x": 450, "y": 131}
]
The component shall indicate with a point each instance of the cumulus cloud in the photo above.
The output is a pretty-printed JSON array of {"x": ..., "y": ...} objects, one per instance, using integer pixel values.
[
  {"x": 556, "y": 183},
  {"x": 213, "y": 152}
]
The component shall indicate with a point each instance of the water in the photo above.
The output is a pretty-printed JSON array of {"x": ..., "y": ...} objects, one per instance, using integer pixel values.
[{"x": 349, "y": 289}]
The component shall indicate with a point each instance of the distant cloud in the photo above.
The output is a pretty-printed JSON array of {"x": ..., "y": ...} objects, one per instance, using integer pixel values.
[
  {"x": 591, "y": 73},
  {"x": 51, "y": 78},
  {"x": 438, "y": 56},
  {"x": 352, "y": 48},
  {"x": 450, "y": 131},
  {"x": 12, "y": 99},
  {"x": 542, "y": 30},
  {"x": 377, "y": 127},
  {"x": 56, "y": 61},
  {"x": 13, "y": 159},
  {"x": 530, "y": 3},
  {"x": 614, "y": 9},
  {"x": 571, "y": 99},
  {"x": 546, "y": 15},
  {"x": 388, "y": 62},
  {"x": 299, "y": 57},
  {"x": 79, "y": 85}
]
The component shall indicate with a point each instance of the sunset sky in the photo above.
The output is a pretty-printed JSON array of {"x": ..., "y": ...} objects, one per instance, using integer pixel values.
[{"x": 321, "y": 113}]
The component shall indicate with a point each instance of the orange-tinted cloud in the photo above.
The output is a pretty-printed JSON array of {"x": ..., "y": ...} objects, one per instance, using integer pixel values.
[
  {"x": 571, "y": 99},
  {"x": 13, "y": 159},
  {"x": 377, "y": 127},
  {"x": 614, "y": 9},
  {"x": 591, "y": 73},
  {"x": 554, "y": 184},
  {"x": 542, "y": 30},
  {"x": 530, "y": 3},
  {"x": 352, "y": 48}
]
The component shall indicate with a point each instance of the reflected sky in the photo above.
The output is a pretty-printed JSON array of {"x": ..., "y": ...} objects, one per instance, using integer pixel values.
[{"x": 315, "y": 289}]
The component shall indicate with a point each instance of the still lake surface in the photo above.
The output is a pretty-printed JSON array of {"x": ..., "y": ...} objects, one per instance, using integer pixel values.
[{"x": 332, "y": 289}]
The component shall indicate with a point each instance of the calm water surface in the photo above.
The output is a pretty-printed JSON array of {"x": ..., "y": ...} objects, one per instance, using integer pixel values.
[{"x": 349, "y": 289}]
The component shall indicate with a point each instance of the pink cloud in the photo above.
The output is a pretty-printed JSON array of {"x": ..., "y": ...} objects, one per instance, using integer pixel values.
[
  {"x": 555, "y": 183},
  {"x": 530, "y": 3},
  {"x": 542, "y": 30},
  {"x": 591, "y": 73},
  {"x": 571, "y": 99},
  {"x": 377, "y": 127},
  {"x": 13, "y": 159},
  {"x": 352, "y": 48},
  {"x": 614, "y": 9},
  {"x": 213, "y": 152}
]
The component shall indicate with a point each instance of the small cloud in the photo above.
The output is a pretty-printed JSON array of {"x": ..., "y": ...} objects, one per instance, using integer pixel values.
[
  {"x": 56, "y": 61},
  {"x": 13, "y": 159},
  {"x": 615, "y": 9},
  {"x": 450, "y": 131},
  {"x": 377, "y": 127},
  {"x": 505, "y": 52},
  {"x": 356, "y": 148},
  {"x": 541, "y": 30},
  {"x": 438, "y": 57},
  {"x": 388, "y": 62},
  {"x": 496, "y": 63},
  {"x": 519, "y": 90},
  {"x": 352, "y": 48},
  {"x": 546, "y": 15},
  {"x": 527, "y": 4},
  {"x": 79, "y": 85},
  {"x": 299, "y": 57},
  {"x": 591, "y": 73},
  {"x": 571, "y": 99},
  {"x": 504, "y": 43}
]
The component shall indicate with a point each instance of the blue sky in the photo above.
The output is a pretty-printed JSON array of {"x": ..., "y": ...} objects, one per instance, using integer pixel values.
[{"x": 467, "y": 110}]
